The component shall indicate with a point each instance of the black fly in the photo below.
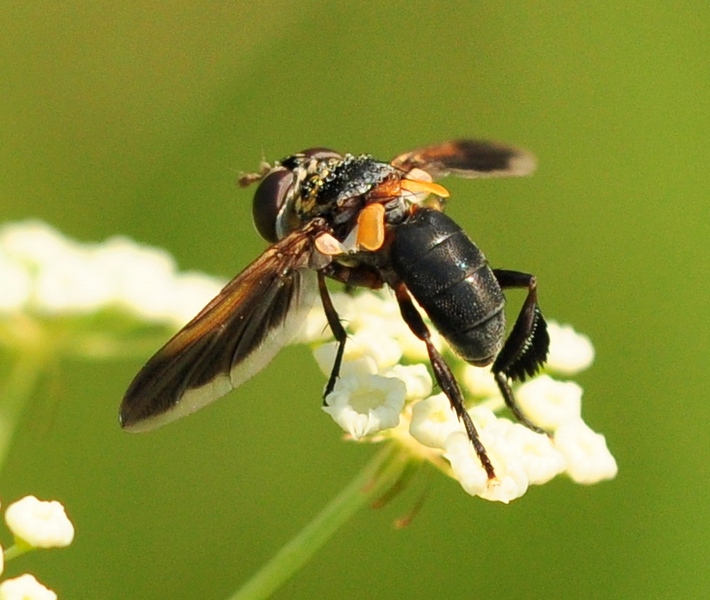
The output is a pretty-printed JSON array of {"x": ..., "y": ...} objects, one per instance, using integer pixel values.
[{"x": 366, "y": 223}]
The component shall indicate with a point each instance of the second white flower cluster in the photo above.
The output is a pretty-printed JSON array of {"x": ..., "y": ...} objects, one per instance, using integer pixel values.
[{"x": 47, "y": 273}]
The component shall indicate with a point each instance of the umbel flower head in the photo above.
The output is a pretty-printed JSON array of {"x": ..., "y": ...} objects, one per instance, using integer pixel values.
[
  {"x": 385, "y": 392},
  {"x": 385, "y": 395}
]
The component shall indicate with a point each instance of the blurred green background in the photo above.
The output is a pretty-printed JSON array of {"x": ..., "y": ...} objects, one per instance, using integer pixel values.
[{"x": 136, "y": 118}]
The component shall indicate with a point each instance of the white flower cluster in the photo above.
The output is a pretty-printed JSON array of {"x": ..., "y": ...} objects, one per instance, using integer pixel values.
[
  {"x": 385, "y": 393},
  {"x": 46, "y": 273},
  {"x": 34, "y": 524},
  {"x": 25, "y": 587}
]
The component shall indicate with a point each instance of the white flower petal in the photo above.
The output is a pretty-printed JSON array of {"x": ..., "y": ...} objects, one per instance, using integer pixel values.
[
  {"x": 540, "y": 460},
  {"x": 366, "y": 404},
  {"x": 508, "y": 487},
  {"x": 325, "y": 357},
  {"x": 588, "y": 458},
  {"x": 433, "y": 421},
  {"x": 411, "y": 346},
  {"x": 570, "y": 352},
  {"x": 479, "y": 381},
  {"x": 42, "y": 524},
  {"x": 484, "y": 418},
  {"x": 507, "y": 458},
  {"x": 34, "y": 243},
  {"x": 371, "y": 310},
  {"x": 382, "y": 351},
  {"x": 549, "y": 403},
  {"x": 415, "y": 377},
  {"x": 25, "y": 587},
  {"x": 378, "y": 312},
  {"x": 465, "y": 465},
  {"x": 142, "y": 277},
  {"x": 74, "y": 284},
  {"x": 16, "y": 288}
]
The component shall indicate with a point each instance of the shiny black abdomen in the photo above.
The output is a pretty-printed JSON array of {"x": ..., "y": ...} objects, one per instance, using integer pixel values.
[{"x": 450, "y": 278}]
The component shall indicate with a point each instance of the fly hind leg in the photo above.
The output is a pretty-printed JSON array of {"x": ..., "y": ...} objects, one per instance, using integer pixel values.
[
  {"x": 444, "y": 377},
  {"x": 526, "y": 348}
]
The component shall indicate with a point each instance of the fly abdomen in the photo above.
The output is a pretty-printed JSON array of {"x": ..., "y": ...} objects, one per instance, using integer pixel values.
[{"x": 450, "y": 278}]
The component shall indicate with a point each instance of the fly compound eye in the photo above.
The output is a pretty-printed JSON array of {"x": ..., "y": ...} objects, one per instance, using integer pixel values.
[{"x": 269, "y": 198}]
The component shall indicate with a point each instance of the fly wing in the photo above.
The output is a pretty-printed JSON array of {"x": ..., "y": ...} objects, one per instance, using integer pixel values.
[
  {"x": 229, "y": 341},
  {"x": 468, "y": 158}
]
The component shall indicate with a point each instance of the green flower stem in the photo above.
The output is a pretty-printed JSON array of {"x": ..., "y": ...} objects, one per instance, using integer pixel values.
[
  {"x": 381, "y": 473},
  {"x": 16, "y": 550},
  {"x": 15, "y": 391}
]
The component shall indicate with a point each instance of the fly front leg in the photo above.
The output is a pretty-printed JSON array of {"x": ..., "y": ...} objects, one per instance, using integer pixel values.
[
  {"x": 336, "y": 327},
  {"x": 352, "y": 277},
  {"x": 526, "y": 348},
  {"x": 444, "y": 377}
]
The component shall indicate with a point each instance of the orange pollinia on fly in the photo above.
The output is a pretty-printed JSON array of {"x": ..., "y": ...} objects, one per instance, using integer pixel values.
[{"x": 367, "y": 223}]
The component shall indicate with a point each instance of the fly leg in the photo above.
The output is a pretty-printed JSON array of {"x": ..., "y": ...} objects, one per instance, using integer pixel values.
[
  {"x": 526, "y": 348},
  {"x": 444, "y": 377},
  {"x": 338, "y": 332},
  {"x": 351, "y": 277}
]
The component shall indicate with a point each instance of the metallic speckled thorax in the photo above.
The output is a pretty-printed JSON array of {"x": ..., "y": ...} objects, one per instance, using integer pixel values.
[{"x": 323, "y": 185}]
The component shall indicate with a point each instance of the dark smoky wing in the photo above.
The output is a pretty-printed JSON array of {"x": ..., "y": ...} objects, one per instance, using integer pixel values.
[
  {"x": 229, "y": 341},
  {"x": 468, "y": 158}
]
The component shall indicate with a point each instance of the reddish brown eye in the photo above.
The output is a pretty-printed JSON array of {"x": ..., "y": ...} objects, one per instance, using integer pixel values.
[
  {"x": 268, "y": 200},
  {"x": 271, "y": 194}
]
